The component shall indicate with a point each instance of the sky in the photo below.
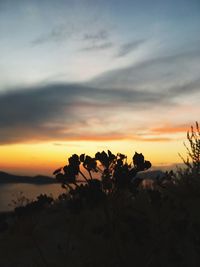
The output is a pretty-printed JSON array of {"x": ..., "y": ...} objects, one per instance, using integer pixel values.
[{"x": 81, "y": 76}]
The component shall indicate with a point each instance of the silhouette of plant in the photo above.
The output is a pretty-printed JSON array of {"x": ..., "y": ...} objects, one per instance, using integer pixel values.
[
  {"x": 28, "y": 206},
  {"x": 112, "y": 173},
  {"x": 193, "y": 150},
  {"x": 107, "y": 219},
  {"x": 20, "y": 201}
]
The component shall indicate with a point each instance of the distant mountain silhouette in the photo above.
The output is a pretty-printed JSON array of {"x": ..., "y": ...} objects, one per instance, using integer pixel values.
[
  {"x": 155, "y": 174},
  {"x": 6, "y": 178}
]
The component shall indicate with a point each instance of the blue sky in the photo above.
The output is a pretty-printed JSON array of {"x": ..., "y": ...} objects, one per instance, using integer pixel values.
[
  {"x": 83, "y": 69},
  {"x": 76, "y": 40}
]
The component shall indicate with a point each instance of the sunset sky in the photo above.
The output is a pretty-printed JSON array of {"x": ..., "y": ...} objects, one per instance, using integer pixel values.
[{"x": 77, "y": 76}]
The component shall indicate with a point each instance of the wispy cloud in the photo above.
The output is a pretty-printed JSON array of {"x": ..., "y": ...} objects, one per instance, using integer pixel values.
[
  {"x": 113, "y": 136},
  {"x": 96, "y": 41},
  {"x": 127, "y": 48},
  {"x": 174, "y": 72},
  {"x": 153, "y": 139},
  {"x": 90, "y": 41},
  {"x": 170, "y": 129},
  {"x": 97, "y": 47},
  {"x": 57, "y": 34},
  {"x": 101, "y": 35}
]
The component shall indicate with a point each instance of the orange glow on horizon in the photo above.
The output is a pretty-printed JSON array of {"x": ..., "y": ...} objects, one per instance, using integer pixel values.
[
  {"x": 44, "y": 158},
  {"x": 167, "y": 129}
]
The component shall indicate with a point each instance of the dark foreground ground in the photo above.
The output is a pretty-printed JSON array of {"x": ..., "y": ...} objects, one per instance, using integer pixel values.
[{"x": 159, "y": 227}]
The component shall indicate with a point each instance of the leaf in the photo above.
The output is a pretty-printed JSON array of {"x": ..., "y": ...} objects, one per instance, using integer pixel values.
[{"x": 57, "y": 171}]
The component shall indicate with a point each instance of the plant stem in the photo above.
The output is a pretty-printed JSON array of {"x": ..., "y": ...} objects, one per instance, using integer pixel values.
[
  {"x": 83, "y": 176},
  {"x": 90, "y": 175}
]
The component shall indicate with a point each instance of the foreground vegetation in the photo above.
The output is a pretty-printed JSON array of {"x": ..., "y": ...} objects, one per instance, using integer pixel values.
[{"x": 107, "y": 218}]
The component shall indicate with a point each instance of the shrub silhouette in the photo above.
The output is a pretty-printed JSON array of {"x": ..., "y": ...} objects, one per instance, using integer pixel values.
[
  {"x": 114, "y": 174},
  {"x": 163, "y": 223},
  {"x": 193, "y": 150},
  {"x": 40, "y": 203}
]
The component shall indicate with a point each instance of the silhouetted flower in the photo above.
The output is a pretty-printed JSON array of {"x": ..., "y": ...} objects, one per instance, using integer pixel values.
[
  {"x": 138, "y": 159},
  {"x": 139, "y": 162},
  {"x": 147, "y": 164},
  {"x": 121, "y": 156},
  {"x": 90, "y": 164},
  {"x": 105, "y": 159},
  {"x": 74, "y": 163},
  {"x": 111, "y": 156},
  {"x": 70, "y": 173},
  {"x": 116, "y": 174},
  {"x": 121, "y": 174},
  {"x": 82, "y": 157}
]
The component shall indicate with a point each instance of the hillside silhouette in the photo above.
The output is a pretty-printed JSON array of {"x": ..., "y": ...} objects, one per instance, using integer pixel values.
[{"x": 6, "y": 178}]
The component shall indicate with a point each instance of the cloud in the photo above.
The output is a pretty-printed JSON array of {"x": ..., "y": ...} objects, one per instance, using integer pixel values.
[
  {"x": 57, "y": 34},
  {"x": 66, "y": 112},
  {"x": 102, "y": 35},
  {"x": 127, "y": 48},
  {"x": 170, "y": 129},
  {"x": 116, "y": 136},
  {"x": 98, "y": 47},
  {"x": 67, "y": 144},
  {"x": 177, "y": 73},
  {"x": 153, "y": 139},
  {"x": 187, "y": 88},
  {"x": 96, "y": 41},
  {"x": 108, "y": 107}
]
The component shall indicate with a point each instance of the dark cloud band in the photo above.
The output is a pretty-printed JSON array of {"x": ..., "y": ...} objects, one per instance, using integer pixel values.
[{"x": 53, "y": 111}]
